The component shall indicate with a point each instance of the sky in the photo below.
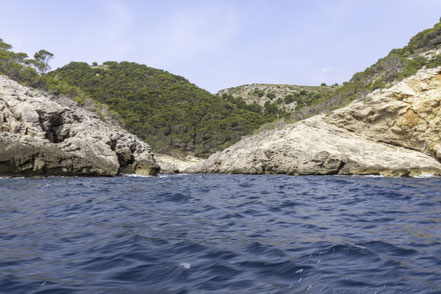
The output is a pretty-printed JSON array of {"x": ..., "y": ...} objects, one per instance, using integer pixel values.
[{"x": 218, "y": 44}]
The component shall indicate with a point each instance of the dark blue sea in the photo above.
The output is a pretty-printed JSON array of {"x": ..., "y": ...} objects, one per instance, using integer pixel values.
[{"x": 220, "y": 234}]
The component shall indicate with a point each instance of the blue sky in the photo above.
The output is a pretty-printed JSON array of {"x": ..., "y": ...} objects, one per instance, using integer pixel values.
[{"x": 221, "y": 43}]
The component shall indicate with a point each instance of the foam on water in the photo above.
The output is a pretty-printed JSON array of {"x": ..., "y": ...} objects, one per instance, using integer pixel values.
[
  {"x": 136, "y": 176},
  {"x": 424, "y": 175}
]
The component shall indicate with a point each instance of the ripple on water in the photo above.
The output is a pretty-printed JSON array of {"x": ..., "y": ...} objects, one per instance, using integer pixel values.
[{"x": 220, "y": 234}]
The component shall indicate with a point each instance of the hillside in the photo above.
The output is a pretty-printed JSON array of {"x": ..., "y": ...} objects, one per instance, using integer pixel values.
[
  {"x": 166, "y": 110},
  {"x": 176, "y": 117},
  {"x": 423, "y": 50},
  {"x": 394, "y": 132},
  {"x": 287, "y": 98}
]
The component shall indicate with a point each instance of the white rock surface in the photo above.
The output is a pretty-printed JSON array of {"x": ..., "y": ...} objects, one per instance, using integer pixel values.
[
  {"x": 42, "y": 134},
  {"x": 396, "y": 132},
  {"x": 408, "y": 114},
  {"x": 173, "y": 165}
]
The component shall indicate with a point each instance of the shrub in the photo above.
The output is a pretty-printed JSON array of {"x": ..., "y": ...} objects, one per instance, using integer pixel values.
[
  {"x": 289, "y": 99},
  {"x": 79, "y": 100}
]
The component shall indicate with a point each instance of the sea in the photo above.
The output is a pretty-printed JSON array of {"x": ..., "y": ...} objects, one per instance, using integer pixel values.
[{"x": 208, "y": 233}]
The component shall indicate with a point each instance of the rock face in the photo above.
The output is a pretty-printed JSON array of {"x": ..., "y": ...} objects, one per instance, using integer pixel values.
[
  {"x": 408, "y": 114},
  {"x": 42, "y": 134},
  {"x": 396, "y": 132},
  {"x": 172, "y": 165}
]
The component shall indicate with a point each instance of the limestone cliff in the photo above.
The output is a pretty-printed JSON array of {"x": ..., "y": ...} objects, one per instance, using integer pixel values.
[
  {"x": 42, "y": 134},
  {"x": 408, "y": 114},
  {"x": 394, "y": 132}
]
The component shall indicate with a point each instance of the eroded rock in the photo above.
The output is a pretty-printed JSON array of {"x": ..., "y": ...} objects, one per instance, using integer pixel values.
[
  {"x": 395, "y": 132},
  {"x": 42, "y": 134},
  {"x": 408, "y": 114}
]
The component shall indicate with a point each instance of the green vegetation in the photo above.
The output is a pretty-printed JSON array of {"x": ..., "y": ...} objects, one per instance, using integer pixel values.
[
  {"x": 165, "y": 110},
  {"x": 178, "y": 118},
  {"x": 290, "y": 98},
  {"x": 79, "y": 100},
  {"x": 397, "y": 65},
  {"x": 32, "y": 72},
  {"x": 276, "y": 99},
  {"x": 240, "y": 102},
  {"x": 259, "y": 93},
  {"x": 270, "y": 109},
  {"x": 19, "y": 67},
  {"x": 271, "y": 96}
]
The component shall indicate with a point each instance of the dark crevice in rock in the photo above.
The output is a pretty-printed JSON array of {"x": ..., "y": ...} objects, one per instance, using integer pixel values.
[
  {"x": 52, "y": 125},
  {"x": 339, "y": 168},
  {"x": 132, "y": 147},
  {"x": 396, "y": 144},
  {"x": 113, "y": 144},
  {"x": 391, "y": 143},
  {"x": 76, "y": 118},
  {"x": 125, "y": 160}
]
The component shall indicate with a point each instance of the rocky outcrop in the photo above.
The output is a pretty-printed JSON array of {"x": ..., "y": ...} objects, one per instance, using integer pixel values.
[
  {"x": 173, "y": 165},
  {"x": 408, "y": 114},
  {"x": 395, "y": 132},
  {"x": 42, "y": 134}
]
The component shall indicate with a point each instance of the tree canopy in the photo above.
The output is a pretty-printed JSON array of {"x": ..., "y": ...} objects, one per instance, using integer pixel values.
[
  {"x": 165, "y": 110},
  {"x": 19, "y": 67}
]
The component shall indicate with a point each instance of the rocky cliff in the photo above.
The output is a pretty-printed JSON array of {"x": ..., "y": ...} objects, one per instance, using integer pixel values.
[
  {"x": 408, "y": 114},
  {"x": 393, "y": 132},
  {"x": 42, "y": 134}
]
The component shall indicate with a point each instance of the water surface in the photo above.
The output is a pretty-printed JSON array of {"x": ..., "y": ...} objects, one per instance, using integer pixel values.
[{"x": 220, "y": 234}]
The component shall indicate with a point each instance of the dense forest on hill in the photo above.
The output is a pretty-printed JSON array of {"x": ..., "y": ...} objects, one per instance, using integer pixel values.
[{"x": 165, "y": 110}]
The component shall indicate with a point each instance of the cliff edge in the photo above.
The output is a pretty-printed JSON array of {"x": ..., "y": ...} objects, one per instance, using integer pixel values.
[
  {"x": 42, "y": 134},
  {"x": 393, "y": 132}
]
